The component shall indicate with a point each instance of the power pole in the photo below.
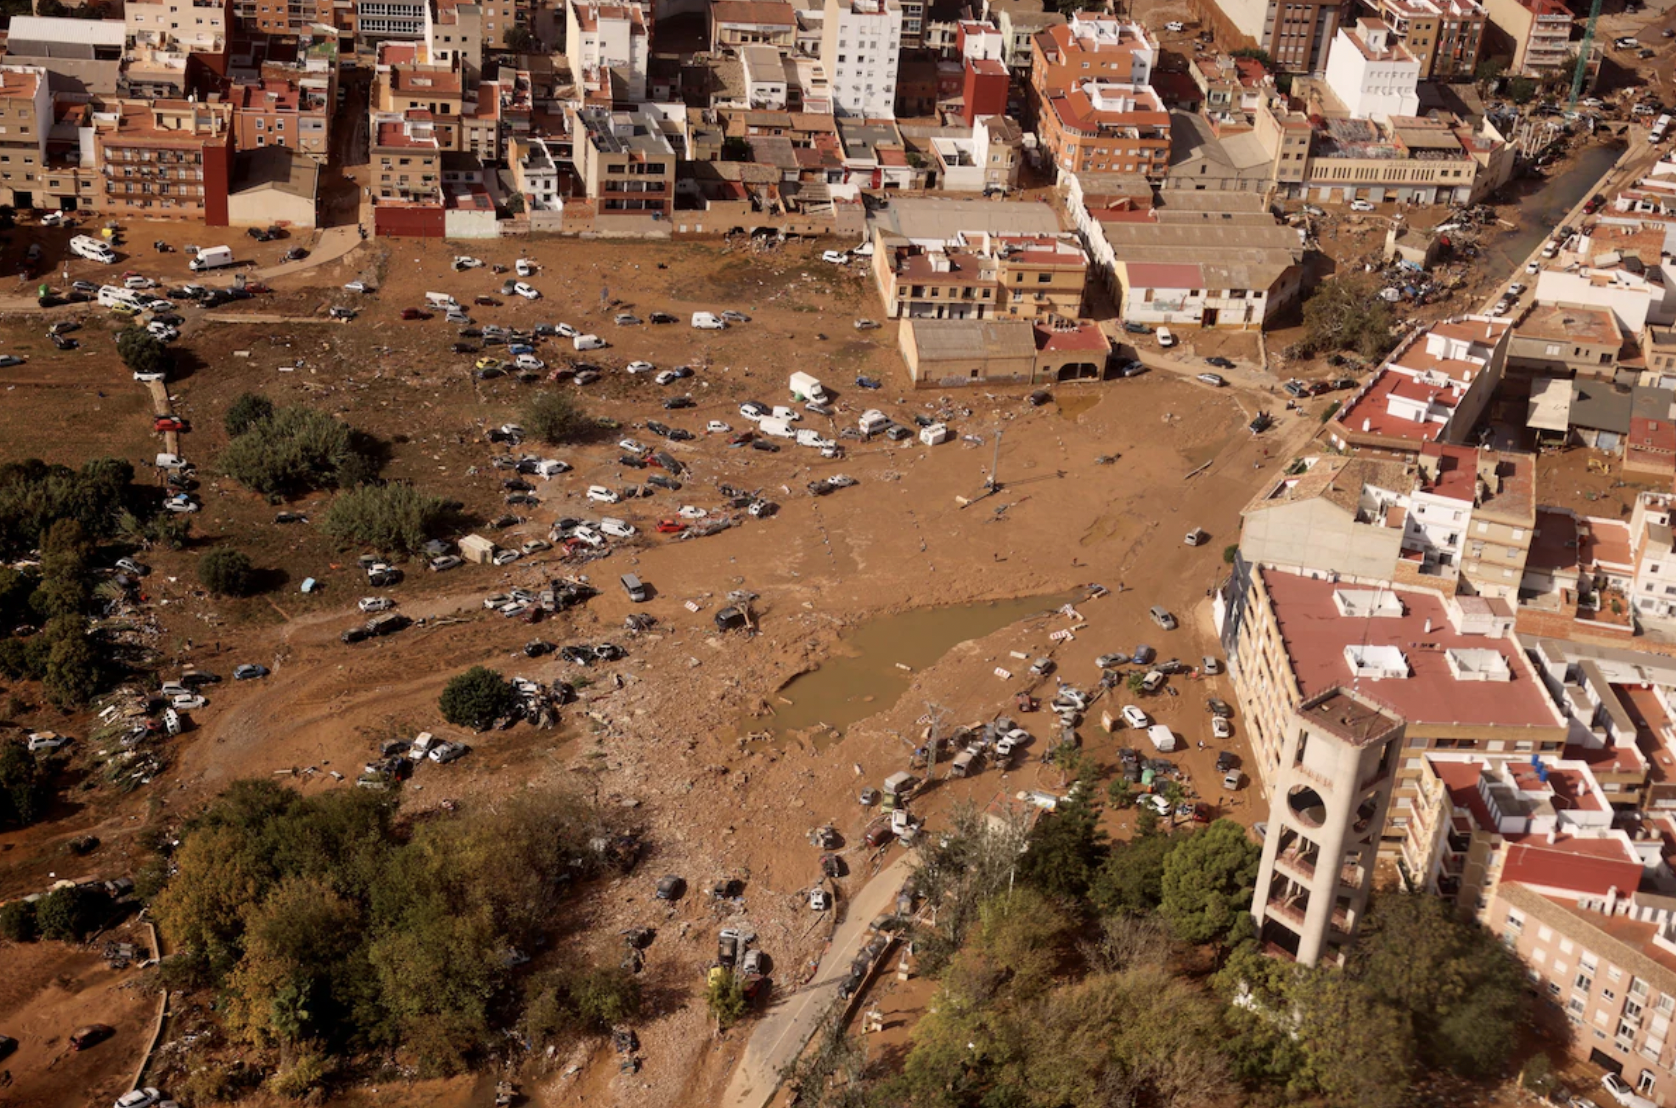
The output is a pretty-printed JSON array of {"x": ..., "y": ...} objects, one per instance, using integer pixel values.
[
  {"x": 937, "y": 714},
  {"x": 994, "y": 482}
]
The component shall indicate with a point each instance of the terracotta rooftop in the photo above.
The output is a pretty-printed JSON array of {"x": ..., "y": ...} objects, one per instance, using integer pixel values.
[
  {"x": 1591, "y": 867},
  {"x": 18, "y": 86},
  {"x": 1605, "y": 542},
  {"x": 762, "y": 12},
  {"x": 1373, "y": 408},
  {"x": 1084, "y": 336},
  {"x": 1315, "y": 636},
  {"x": 1457, "y": 471}
]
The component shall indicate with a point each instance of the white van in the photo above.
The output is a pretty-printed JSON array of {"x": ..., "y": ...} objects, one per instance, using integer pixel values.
[
  {"x": 1659, "y": 129},
  {"x": 779, "y": 428},
  {"x": 550, "y": 467},
  {"x": 814, "y": 439},
  {"x": 212, "y": 257},
  {"x": 94, "y": 250},
  {"x": 934, "y": 435},
  {"x": 1162, "y": 737},
  {"x": 441, "y": 301},
  {"x": 589, "y": 342},
  {"x": 709, "y": 321},
  {"x": 110, "y": 296},
  {"x": 873, "y": 421}
]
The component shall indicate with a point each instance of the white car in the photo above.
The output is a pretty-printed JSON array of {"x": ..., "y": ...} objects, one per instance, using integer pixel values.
[
  {"x": 640, "y": 367},
  {"x": 46, "y": 740},
  {"x": 1165, "y": 339},
  {"x": 529, "y": 361},
  {"x": 633, "y": 446},
  {"x": 1516, "y": 289},
  {"x": 687, "y": 511},
  {"x": 566, "y": 330},
  {"x": 1136, "y": 718},
  {"x": 790, "y": 415},
  {"x": 187, "y": 702},
  {"x": 139, "y": 1098},
  {"x": 465, "y": 261},
  {"x": 667, "y": 377},
  {"x": 376, "y": 604},
  {"x": 1533, "y": 267},
  {"x": 1362, "y": 206},
  {"x": 589, "y": 536},
  {"x": 1221, "y": 728},
  {"x": 528, "y": 292},
  {"x": 836, "y": 257},
  {"x": 506, "y": 557},
  {"x": 1623, "y": 1094},
  {"x": 176, "y": 504},
  {"x": 525, "y": 267},
  {"x": 357, "y": 286},
  {"x": 602, "y": 495},
  {"x": 819, "y": 900},
  {"x": 616, "y": 528},
  {"x": 1175, "y": 25},
  {"x": 1214, "y": 380},
  {"x": 535, "y": 546},
  {"x": 139, "y": 376},
  {"x": 716, "y": 427},
  {"x": 162, "y": 332},
  {"x": 709, "y": 321}
]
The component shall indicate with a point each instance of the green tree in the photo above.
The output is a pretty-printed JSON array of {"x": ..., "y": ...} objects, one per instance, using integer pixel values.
[
  {"x": 724, "y": 995},
  {"x": 1208, "y": 881},
  {"x": 17, "y": 921},
  {"x": 1357, "y": 1051},
  {"x": 1120, "y": 793},
  {"x": 1229, "y": 553},
  {"x": 476, "y": 698},
  {"x": 1489, "y": 71},
  {"x": 1131, "y": 879},
  {"x": 393, "y": 517},
  {"x": 1065, "y": 850},
  {"x": 71, "y": 913},
  {"x": 519, "y": 40},
  {"x": 1347, "y": 314},
  {"x": 295, "y": 450},
  {"x": 25, "y": 787},
  {"x": 554, "y": 417},
  {"x": 1521, "y": 90},
  {"x": 247, "y": 410},
  {"x": 226, "y": 572},
  {"x": 141, "y": 352},
  {"x": 72, "y": 676},
  {"x": 1136, "y": 683},
  {"x": 66, "y": 587}
]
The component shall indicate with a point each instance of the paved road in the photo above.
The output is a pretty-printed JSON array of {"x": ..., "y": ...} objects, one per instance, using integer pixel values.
[{"x": 788, "y": 1026}]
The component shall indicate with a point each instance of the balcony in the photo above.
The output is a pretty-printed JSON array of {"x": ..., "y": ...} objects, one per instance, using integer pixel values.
[
  {"x": 1300, "y": 863},
  {"x": 1292, "y": 910}
]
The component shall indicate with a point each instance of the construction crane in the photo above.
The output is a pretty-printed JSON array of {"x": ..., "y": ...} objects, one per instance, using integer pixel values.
[{"x": 1583, "y": 56}]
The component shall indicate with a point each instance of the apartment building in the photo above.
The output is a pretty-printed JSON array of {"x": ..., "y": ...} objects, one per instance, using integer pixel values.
[
  {"x": 1019, "y": 22},
  {"x": 608, "y": 45},
  {"x": 1371, "y": 73},
  {"x": 1103, "y": 127},
  {"x": 80, "y": 55},
  {"x": 980, "y": 275},
  {"x": 1337, "y": 515},
  {"x": 278, "y": 112},
  {"x": 1093, "y": 46},
  {"x": 1408, "y": 159},
  {"x": 385, "y": 19},
  {"x": 1446, "y": 35},
  {"x": 861, "y": 41},
  {"x": 1534, "y": 34},
  {"x": 1432, "y": 388},
  {"x": 407, "y": 161},
  {"x": 1444, "y": 664},
  {"x": 1296, "y": 35},
  {"x": 178, "y": 26},
  {"x": 170, "y": 159},
  {"x": 535, "y": 174},
  {"x": 500, "y": 18},
  {"x": 737, "y": 23},
  {"x": 1232, "y": 89},
  {"x": 1328, "y": 796},
  {"x": 454, "y": 37},
  {"x": 25, "y": 120},
  {"x": 1470, "y": 516},
  {"x": 1566, "y": 340},
  {"x": 626, "y": 164}
]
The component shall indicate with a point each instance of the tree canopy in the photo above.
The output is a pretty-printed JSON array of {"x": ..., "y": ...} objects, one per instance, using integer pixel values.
[
  {"x": 391, "y": 517},
  {"x": 1208, "y": 880},
  {"x": 297, "y": 449},
  {"x": 476, "y": 698}
]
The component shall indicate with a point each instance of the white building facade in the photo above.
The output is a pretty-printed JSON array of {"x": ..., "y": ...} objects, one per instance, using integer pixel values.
[
  {"x": 1372, "y": 74},
  {"x": 860, "y": 44}
]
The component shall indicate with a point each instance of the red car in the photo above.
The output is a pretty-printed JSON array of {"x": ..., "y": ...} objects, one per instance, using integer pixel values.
[
  {"x": 169, "y": 423},
  {"x": 670, "y": 527},
  {"x": 415, "y": 313},
  {"x": 256, "y": 286},
  {"x": 741, "y": 438}
]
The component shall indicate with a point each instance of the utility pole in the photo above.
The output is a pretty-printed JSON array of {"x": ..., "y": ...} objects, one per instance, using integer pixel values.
[
  {"x": 994, "y": 482},
  {"x": 937, "y": 714}
]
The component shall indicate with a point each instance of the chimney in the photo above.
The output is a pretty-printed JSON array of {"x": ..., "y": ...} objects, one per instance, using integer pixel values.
[{"x": 1428, "y": 625}]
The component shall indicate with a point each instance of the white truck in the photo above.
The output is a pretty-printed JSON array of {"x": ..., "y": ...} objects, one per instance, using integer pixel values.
[
  {"x": 779, "y": 428},
  {"x": 873, "y": 421},
  {"x": 212, "y": 257},
  {"x": 805, "y": 386},
  {"x": 94, "y": 250},
  {"x": 1162, "y": 737},
  {"x": 112, "y": 295}
]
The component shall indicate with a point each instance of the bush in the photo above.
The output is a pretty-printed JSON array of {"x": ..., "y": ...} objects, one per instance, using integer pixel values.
[
  {"x": 34, "y": 496},
  {"x": 476, "y": 698},
  {"x": 555, "y": 418},
  {"x": 295, "y": 450},
  {"x": 17, "y": 922},
  {"x": 397, "y": 518},
  {"x": 1229, "y": 553},
  {"x": 70, "y": 914},
  {"x": 247, "y": 411},
  {"x": 725, "y": 997},
  {"x": 24, "y": 787},
  {"x": 226, "y": 572},
  {"x": 72, "y": 676}
]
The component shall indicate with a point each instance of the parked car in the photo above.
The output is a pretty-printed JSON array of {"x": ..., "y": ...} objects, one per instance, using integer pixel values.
[
  {"x": 1362, "y": 206},
  {"x": 1220, "y": 362},
  {"x": 1213, "y": 379},
  {"x": 1162, "y": 617},
  {"x": 1621, "y": 1092}
]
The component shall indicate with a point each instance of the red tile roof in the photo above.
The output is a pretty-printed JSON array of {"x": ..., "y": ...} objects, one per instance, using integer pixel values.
[{"x": 1592, "y": 867}]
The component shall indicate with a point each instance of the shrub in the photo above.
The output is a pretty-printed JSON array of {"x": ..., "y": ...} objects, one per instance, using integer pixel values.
[
  {"x": 24, "y": 787},
  {"x": 1229, "y": 553},
  {"x": 725, "y": 997},
  {"x": 554, "y": 417},
  {"x": 226, "y": 573},
  {"x": 397, "y": 518},
  {"x": 70, "y": 914},
  {"x": 295, "y": 450},
  {"x": 17, "y": 922},
  {"x": 476, "y": 698},
  {"x": 141, "y": 352},
  {"x": 247, "y": 411},
  {"x": 72, "y": 674}
]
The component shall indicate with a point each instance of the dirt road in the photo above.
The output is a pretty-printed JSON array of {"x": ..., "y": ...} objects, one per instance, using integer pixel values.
[{"x": 787, "y": 1026}]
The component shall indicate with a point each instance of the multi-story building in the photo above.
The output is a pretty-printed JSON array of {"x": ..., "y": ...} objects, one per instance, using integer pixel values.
[
  {"x": 608, "y": 45},
  {"x": 1566, "y": 340},
  {"x": 1408, "y": 159},
  {"x": 454, "y": 37},
  {"x": 1535, "y": 33},
  {"x": 407, "y": 161},
  {"x": 1432, "y": 388},
  {"x": 382, "y": 19},
  {"x": 1503, "y": 523},
  {"x": 178, "y": 26},
  {"x": 274, "y": 112},
  {"x": 1105, "y": 128},
  {"x": 80, "y": 55},
  {"x": 1092, "y": 47},
  {"x": 626, "y": 164},
  {"x": 535, "y": 173},
  {"x": 1444, "y": 664},
  {"x": 25, "y": 120},
  {"x": 1233, "y": 89},
  {"x": 1338, "y": 515},
  {"x": 737, "y": 23},
  {"x": 1019, "y": 22},
  {"x": 860, "y": 44},
  {"x": 171, "y": 159},
  {"x": 1295, "y": 35},
  {"x": 499, "y": 20},
  {"x": 1446, "y": 35},
  {"x": 1328, "y": 794},
  {"x": 981, "y": 276},
  {"x": 1371, "y": 73}
]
